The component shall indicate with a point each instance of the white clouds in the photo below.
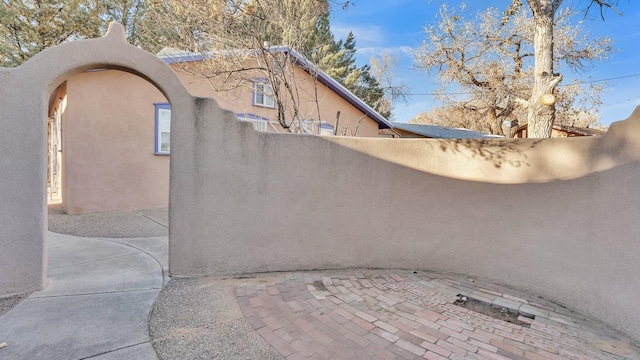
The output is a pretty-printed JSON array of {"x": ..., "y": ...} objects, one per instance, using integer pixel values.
[
  {"x": 366, "y": 35},
  {"x": 372, "y": 40},
  {"x": 396, "y": 26},
  {"x": 396, "y": 51}
]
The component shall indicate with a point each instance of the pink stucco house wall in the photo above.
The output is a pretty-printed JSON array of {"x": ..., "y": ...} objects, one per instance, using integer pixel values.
[{"x": 111, "y": 150}]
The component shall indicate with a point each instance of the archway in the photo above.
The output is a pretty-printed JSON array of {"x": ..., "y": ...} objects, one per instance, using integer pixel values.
[
  {"x": 108, "y": 155},
  {"x": 25, "y": 104}
]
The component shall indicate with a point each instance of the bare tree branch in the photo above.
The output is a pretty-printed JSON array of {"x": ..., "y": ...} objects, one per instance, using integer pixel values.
[{"x": 491, "y": 58}]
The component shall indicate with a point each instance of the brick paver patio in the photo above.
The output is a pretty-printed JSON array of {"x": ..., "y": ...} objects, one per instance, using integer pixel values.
[{"x": 400, "y": 315}]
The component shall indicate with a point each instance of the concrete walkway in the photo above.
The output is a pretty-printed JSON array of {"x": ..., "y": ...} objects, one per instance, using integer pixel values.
[
  {"x": 109, "y": 298},
  {"x": 96, "y": 304},
  {"x": 111, "y": 224}
]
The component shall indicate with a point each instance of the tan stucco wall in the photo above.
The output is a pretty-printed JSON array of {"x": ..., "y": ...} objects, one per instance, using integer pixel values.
[
  {"x": 556, "y": 217},
  {"x": 24, "y": 104},
  {"x": 109, "y": 127},
  {"x": 108, "y": 135}
]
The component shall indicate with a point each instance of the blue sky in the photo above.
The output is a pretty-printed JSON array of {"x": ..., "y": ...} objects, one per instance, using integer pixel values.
[{"x": 396, "y": 26}]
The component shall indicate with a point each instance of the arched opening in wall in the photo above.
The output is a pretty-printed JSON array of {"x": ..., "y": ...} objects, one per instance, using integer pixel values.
[
  {"x": 108, "y": 155},
  {"x": 54, "y": 147}
]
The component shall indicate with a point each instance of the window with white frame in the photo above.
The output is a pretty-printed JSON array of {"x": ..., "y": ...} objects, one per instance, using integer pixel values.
[
  {"x": 163, "y": 129},
  {"x": 262, "y": 94}
]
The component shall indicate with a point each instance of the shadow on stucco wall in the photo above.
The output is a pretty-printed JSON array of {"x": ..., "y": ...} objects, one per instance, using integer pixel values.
[
  {"x": 544, "y": 215},
  {"x": 556, "y": 216},
  {"x": 500, "y": 153}
]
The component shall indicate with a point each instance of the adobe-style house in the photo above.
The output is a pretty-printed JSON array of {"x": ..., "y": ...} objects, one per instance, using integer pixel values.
[{"x": 110, "y": 130}]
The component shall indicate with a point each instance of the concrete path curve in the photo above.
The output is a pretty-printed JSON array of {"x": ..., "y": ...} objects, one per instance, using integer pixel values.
[
  {"x": 107, "y": 299},
  {"x": 96, "y": 304}
]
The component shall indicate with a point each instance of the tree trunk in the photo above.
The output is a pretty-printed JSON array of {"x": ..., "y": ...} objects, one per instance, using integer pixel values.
[
  {"x": 494, "y": 122},
  {"x": 542, "y": 113}
]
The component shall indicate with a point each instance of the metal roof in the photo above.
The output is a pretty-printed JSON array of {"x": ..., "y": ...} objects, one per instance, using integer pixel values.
[{"x": 442, "y": 132}]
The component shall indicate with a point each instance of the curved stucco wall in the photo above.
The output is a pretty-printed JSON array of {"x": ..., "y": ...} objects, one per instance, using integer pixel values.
[{"x": 557, "y": 217}]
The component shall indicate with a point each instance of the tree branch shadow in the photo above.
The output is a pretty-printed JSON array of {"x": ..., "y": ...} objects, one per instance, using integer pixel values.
[{"x": 500, "y": 152}]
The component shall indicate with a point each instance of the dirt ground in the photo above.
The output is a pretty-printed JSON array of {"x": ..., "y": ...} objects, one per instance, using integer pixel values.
[{"x": 6, "y": 303}]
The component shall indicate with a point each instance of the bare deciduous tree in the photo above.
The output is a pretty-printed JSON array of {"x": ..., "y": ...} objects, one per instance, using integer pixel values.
[
  {"x": 485, "y": 64},
  {"x": 237, "y": 38},
  {"x": 541, "y": 102},
  {"x": 382, "y": 68},
  {"x": 455, "y": 117}
]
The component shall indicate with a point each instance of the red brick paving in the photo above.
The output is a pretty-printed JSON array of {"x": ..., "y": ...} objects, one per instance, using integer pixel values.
[{"x": 393, "y": 315}]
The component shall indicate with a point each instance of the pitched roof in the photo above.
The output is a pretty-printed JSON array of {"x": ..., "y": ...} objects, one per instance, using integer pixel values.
[
  {"x": 172, "y": 56},
  {"x": 441, "y": 132}
]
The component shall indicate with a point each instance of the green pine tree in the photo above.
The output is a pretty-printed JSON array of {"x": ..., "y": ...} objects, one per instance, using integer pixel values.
[{"x": 28, "y": 27}]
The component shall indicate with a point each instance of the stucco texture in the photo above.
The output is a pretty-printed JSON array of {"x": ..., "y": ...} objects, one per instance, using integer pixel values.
[
  {"x": 24, "y": 101},
  {"x": 109, "y": 126},
  {"x": 556, "y": 217},
  {"x": 108, "y": 144}
]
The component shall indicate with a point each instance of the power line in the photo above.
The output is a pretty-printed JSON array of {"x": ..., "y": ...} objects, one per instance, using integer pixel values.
[
  {"x": 613, "y": 78},
  {"x": 622, "y": 102},
  {"x": 434, "y": 94},
  {"x": 582, "y": 82}
]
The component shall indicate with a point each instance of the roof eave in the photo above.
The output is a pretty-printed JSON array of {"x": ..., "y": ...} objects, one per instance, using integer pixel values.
[
  {"x": 306, "y": 65},
  {"x": 336, "y": 87}
]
